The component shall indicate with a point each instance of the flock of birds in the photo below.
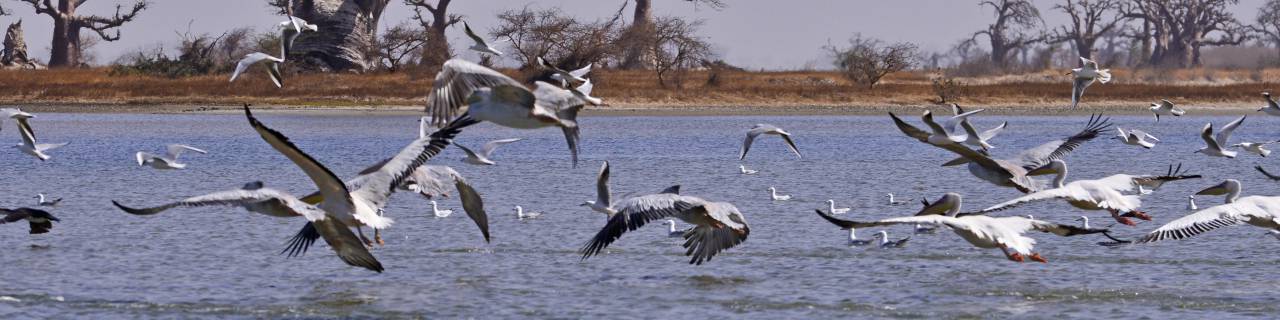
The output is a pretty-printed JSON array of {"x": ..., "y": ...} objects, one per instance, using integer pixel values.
[{"x": 465, "y": 93}]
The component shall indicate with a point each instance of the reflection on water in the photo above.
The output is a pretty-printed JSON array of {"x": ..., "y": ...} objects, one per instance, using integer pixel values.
[{"x": 218, "y": 262}]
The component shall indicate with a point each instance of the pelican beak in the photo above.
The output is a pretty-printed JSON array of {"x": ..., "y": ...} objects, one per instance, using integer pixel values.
[
  {"x": 1042, "y": 170},
  {"x": 1260, "y": 109},
  {"x": 1217, "y": 190}
]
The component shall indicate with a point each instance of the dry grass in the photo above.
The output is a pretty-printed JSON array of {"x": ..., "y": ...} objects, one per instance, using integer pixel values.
[{"x": 628, "y": 88}]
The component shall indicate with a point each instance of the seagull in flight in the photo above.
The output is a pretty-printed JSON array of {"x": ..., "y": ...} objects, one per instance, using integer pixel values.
[
  {"x": 566, "y": 78},
  {"x": 482, "y": 157},
  {"x": 1166, "y": 108},
  {"x": 1214, "y": 144},
  {"x": 1257, "y": 148},
  {"x": 480, "y": 45},
  {"x": 273, "y": 67},
  {"x": 1085, "y": 76},
  {"x": 1271, "y": 108},
  {"x": 768, "y": 129},
  {"x": 168, "y": 161},
  {"x": 29, "y": 145},
  {"x": 1135, "y": 137},
  {"x": 289, "y": 31}
]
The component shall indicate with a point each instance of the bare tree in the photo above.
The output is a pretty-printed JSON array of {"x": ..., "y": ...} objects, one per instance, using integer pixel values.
[
  {"x": 1008, "y": 34},
  {"x": 867, "y": 60},
  {"x": 676, "y": 48},
  {"x": 637, "y": 36},
  {"x": 1090, "y": 20},
  {"x": 436, "y": 51},
  {"x": 400, "y": 45},
  {"x": 561, "y": 39},
  {"x": 1177, "y": 29},
  {"x": 67, "y": 24},
  {"x": 348, "y": 28},
  {"x": 1268, "y": 23}
]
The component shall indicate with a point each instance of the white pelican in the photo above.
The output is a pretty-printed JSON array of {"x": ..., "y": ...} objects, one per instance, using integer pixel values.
[
  {"x": 1084, "y": 76},
  {"x": 1111, "y": 193},
  {"x": 1257, "y": 148},
  {"x": 717, "y": 225},
  {"x": 566, "y": 78},
  {"x": 762, "y": 128},
  {"x": 1005, "y": 233},
  {"x": 1271, "y": 108},
  {"x": 521, "y": 215},
  {"x": 289, "y": 31},
  {"x": 1214, "y": 144},
  {"x": 895, "y": 202},
  {"x": 1253, "y": 210},
  {"x": 435, "y": 210},
  {"x": 29, "y": 145},
  {"x": 1166, "y": 108},
  {"x": 482, "y": 157},
  {"x": 1191, "y": 203},
  {"x": 671, "y": 229},
  {"x": 1268, "y": 174},
  {"x": 854, "y": 241},
  {"x": 1136, "y": 137},
  {"x": 831, "y": 204},
  {"x": 1229, "y": 188},
  {"x": 492, "y": 96},
  {"x": 773, "y": 194},
  {"x": 744, "y": 170},
  {"x": 40, "y": 221},
  {"x": 885, "y": 243},
  {"x": 1010, "y": 172},
  {"x": 273, "y": 67},
  {"x": 46, "y": 202},
  {"x": 603, "y": 203},
  {"x": 479, "y": 44},
  {"x": 167, "y": 161}
]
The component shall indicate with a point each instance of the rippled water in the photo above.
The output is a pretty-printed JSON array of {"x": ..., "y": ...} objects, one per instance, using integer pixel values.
[{"x": 223, "y": 262}]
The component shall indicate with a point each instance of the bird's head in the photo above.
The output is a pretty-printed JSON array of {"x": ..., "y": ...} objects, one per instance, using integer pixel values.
[{"x": 1225, "y": 187}]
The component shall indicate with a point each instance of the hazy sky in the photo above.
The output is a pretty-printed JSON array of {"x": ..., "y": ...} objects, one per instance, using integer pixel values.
[{"x": 750, "y": 33}]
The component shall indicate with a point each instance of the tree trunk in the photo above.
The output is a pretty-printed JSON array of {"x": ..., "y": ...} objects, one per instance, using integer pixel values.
[
  {"x": 347, "y": 29},
  {"x": 641, "y": 28},
  {"x": 436, "y": 51},
  {"x": 62, "y": 52}
]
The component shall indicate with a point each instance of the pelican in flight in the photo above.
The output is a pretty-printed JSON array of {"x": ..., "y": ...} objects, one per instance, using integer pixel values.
[
  {"x": 1257, "y": 148},
  {"x": 831, "y": 205},
  {"x": 168, "y": 161},
  {"x": 1271, "y": 108},
  {"x": 769, "y": 129},
  {"x": 482, "y": 157},
  {"x": 289, "y": 31},
  {"x": 492, "y": 96},
  {"x": 1136, "y": 137},
  {"x": 40, "y": 221},
  {"x": 1009, "y": 172},
  {"x": 744, "y": 170},
  {"x": 1085, "y": 76},
  {"x": 479, "y": 44},
  {"x": 717, "y": 225},
  {"x": 47, "y": 202},
  {"x": 773, "y": 194},
  {"x": 1004, "y": 233},
  {"x": 1253, "y": 210},
  {"x": 1230, "y": 188},
  {"x": 29, "y": 145},
  {"x": 1165, "y": 108},
  {"x": 273, "y": 67},
  {"x": 1214, "y": 144},
  {"x": 1115, "y": 193}
]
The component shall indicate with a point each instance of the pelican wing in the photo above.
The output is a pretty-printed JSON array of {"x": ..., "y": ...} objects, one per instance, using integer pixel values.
[
  {"x": 11, "y": 216},
  {"x": 634, "y": 213},
  {"x": 377, "y": 185},
  {"x": 556, "y": 98},
  {"x": 909, "y": 130},
  {"x": 265, "y": 201},
  {"x": 472, "y": 34},
  {"x": 966, "y": 153},
  {"x": 345, "y": 243},
  {"x": 473, "y": 205},
  {"x": 1103, "y": 196},
  {"x": 432, "y": 181},
  {"x": 455, "y": 82},
  {"x": 332, "y": 188},
  {"x": 602, "y": 187},
  {"x": 1268, "y": 174},
  {"x": 1063, "y": 230},
  {"x": 1056, "y": 150},
  {"x": 952, "y": 222},
  {"x": 1240, "y": 211},
  {"x": 1224, "y": 135},
  {"x": 704, "y": 241}
]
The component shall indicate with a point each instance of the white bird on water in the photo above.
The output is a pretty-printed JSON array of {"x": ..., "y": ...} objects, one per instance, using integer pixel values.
[
  {"x": 854, "y": 241},
  {"x": 29, "y": 145},
  {"x": 478, "y": 43},
  {"x": 894, "y": 202},
  {"x": 1214, "y": 145},
  {"x": 1085, "y": 76},
  {"x": 168, "y": 161},
  {"x": 1271, "y": 108},
  {"x": 885, "y": 243},
  {"x": 744, "y": 170},
  {"x": 1084, "y": 222},
  {"x": 41, "y": 200},
  {"x": 273, "y": 67},
  {"x": 671, "y": 229},
  {"x": 520, "y": 214},
  {"x": 1136, "y": 137},
  {"x": 773, "y": 194},
  {"x": 435, "y": 210},
  {"x": 717, "y": 225},
  {"x": 762, "y": 128},
  {"x": 1166, "y": 108},
  {"x": 831, "y": 204},
  {"x": 1258, "y": 148},
  {"x": 1191, "y": 203},
  {"x": 482, "y": 157}
]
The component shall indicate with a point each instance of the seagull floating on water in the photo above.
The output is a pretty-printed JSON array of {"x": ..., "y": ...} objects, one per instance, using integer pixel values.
[
  {"x": 1085, "y": 76},
  {"x": 1166, "y": 108},
  {"x": 1214, "y": 144},
  {"x": 717, "y": 225},
  {"x": 169, "y": 160},
  {"x": 762, "y": 128},
  {"x": 885, "y": 243},
  {"x": 479, "y": 44},
  {"x": 831, "y": 204},
  {"x": 435, "y": 210},
  {"x": 40, "y": 221},
  {"x": 773, "y": 194},
  {"x": 1271, "y": 108},
  {"x": 1191, "y": 203},
  {"x": 1136, "y": 137},
  {"x": 854, "y": 241},
  {"x": 45, "y": 202},
  {"x": 29, "y": 145},
  {"x": 895, "y": 202},
  {"x": 671, "y": 229},
  {"x": 521, "y": 215},
  {"x": 1084, "y": 222},
  {"x": 744, "y": 170},
  {"x": 273, "y": 67}
]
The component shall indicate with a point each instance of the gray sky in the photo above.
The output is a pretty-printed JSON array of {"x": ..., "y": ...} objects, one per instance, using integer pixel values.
[{"x": 749, "y": 33}]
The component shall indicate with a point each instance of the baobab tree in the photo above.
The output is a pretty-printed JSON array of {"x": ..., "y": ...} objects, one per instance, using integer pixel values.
[
  {"x": 1178, "y": 29},
  {"x": 65, "y": 48},
  {"x": 436, "y": 51},
  {"x": 635, "y": 40},
  {"x": 1268, "y": 23},
  {"x": 1090, "y": 20},
  {"x": 347, "y": 29},
  {"x": 1007, "y": 34}
]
